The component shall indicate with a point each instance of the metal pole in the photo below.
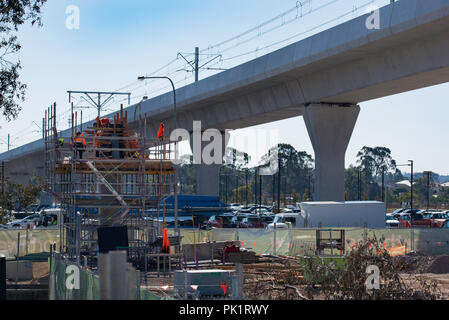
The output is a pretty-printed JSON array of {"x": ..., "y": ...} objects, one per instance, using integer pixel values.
[
  {"x": 3, "y": 177},
  {"x": 260, "y": 190},
  {"x": 309, "y": 190},
  {"x": 255, "y": 186},
  {"x": 383, "y": 185},
  {"x": 359, "y": 176},
  {"x": 279, "y": 185},
  {"x": 411, "y": 193},
  {"x": 226, "y": 188},
  {"x": 176, "y": 144},
  {"x": 246, "y": 189},
  {"x": 411, "y": 185},
  {"x": 99, "y": 104},
  {"x": 2, "y": 278},
  {"x": 17, "y": 257},
  {"x": 8, "y": 141},
  {"x": 428, "y": 188},
  {"x": 197, "y": 53}
]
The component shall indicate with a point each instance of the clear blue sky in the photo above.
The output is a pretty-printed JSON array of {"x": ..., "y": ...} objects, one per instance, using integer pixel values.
[{"x": 119, "y": 40}]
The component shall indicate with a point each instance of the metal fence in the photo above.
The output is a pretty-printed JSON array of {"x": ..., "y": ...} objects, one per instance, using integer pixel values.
[
  {"x": 303, "y": 241},
  {"x": 81, "y": 285}
]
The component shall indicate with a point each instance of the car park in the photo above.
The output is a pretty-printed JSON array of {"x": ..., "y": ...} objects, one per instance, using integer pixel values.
[{"x": 419, "y": 220}]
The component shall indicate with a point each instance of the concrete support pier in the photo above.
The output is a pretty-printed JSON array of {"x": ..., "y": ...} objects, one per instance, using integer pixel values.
[
  {"x": 208, "y": 174},
  {"x": 330, "y": 128}
]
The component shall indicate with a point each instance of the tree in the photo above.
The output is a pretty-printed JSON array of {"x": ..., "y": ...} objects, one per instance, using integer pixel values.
[
  {"x": 18, "y": 196},
  {"x": 352, "y": 183},
  {"x": 186, "y": 175},
  {"x": 14, "y": 13},
  {"x": 296, "y": 168},
  {"x": 373, "y": 162}
]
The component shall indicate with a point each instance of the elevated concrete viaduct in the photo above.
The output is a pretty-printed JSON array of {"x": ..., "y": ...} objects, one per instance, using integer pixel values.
[{"x": 323, "y": 77}]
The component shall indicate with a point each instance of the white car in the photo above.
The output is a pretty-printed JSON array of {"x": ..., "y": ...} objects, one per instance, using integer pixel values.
[
  {"x": 391, "y": 221},
  {"x": 261, "y": 211},
  {"x": 287, "y": 220},
  {"x": 23, "y": 223},
  {"x": 235, "y": 207}
]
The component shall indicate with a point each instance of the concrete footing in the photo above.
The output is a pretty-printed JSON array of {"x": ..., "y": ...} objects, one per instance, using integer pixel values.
[{"x": 208, "y": 174}]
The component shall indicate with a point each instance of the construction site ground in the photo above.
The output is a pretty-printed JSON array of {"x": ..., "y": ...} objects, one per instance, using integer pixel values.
[{"x": 281, "y": 278}]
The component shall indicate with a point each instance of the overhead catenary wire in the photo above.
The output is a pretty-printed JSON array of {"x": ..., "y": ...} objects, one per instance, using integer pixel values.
[{"x": 223, "y": 48}]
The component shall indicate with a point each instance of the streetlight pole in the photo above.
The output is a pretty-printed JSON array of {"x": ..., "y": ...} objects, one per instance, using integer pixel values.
[
  {"x": 428, "y": 173},
  {"x": 279, "y": 185},
  {"x": 410, "y": 164},
  {"x": 260, "y": 190},
  {"x": 176, "y": 147},
  {"x": 411, "y": 187}
]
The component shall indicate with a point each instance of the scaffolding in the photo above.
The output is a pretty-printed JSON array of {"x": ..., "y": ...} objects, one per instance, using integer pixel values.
[{"x": 109, "y": 175}]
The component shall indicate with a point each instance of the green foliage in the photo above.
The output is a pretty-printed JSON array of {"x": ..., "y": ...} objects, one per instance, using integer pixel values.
[
  {"x": 17, "y": 197},
  {"x": 374, "y": 161},
  {"x": 348, "y": 280},
  {"x": 14, "y": 13}
]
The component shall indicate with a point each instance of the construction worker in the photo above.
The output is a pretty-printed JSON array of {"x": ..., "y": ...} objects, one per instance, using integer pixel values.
[
  {"x": 80, "y": 143},
  {"x": 61, "y": 142},
  {"x": 102, "y": 123},
  {"x": 160, "y": 133},
  {"x": 134, "y": 144}
]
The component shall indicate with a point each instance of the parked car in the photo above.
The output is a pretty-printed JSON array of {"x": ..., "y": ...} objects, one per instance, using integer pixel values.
[
  {"x": 253, "y": 221},
  {"x": 268, "y": 218},
  {"x": 396, "y": 213},
  {"x": 408, "y": 211},
  {"x": 246, "y": 209},
  {"x": 435, "y": 215},
  {"x": 31, "y": 220},
  {"x": 420, "y": 221},
  {"x": 220, "y": 221},
  {"x": 235, "y": 207},
  {"x": 260, "y": 210},
  {"x": 287, "y": 220},
  {"x": 391, "y": 221},
  {"x": 50, "y": 217},
  {"x": 292, "y": 208},
  {"x": 237, "y": 219}
]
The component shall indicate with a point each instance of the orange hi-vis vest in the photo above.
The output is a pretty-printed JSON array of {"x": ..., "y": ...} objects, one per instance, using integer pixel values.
[
  {"x": 160, "y": 133},
  {"x": 79, "y": 138},
  {"x": 165, "y": 241}
]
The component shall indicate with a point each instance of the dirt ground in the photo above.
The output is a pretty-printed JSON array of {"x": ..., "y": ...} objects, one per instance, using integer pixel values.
[{"x": 282, "y": 279}]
